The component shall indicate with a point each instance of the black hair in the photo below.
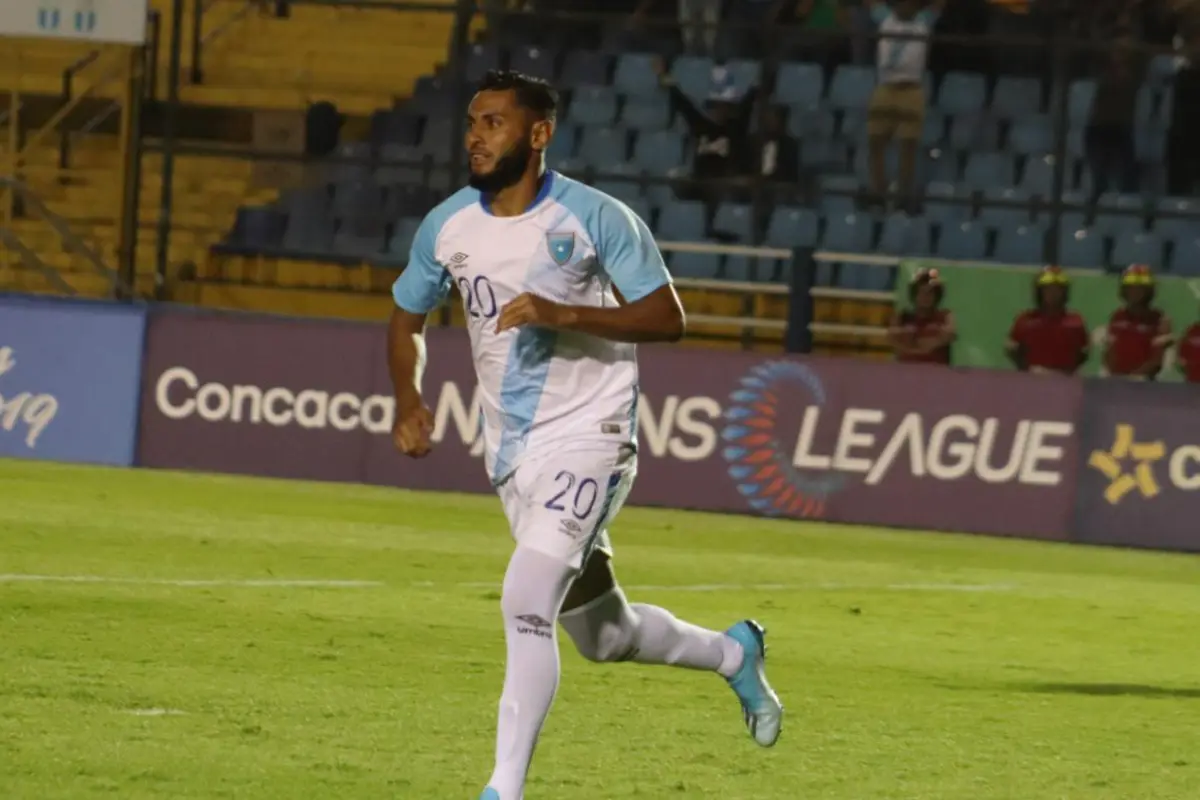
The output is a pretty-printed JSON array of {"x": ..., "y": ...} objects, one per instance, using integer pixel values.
[{"x": 532, "y": 93}]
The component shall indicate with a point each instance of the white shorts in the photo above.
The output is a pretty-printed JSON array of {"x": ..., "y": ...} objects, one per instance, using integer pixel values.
[{"x": 561, "y": 502}]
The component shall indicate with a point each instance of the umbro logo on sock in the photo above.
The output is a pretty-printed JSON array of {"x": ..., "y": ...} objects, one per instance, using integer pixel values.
[{"x": 534, "y": 625}]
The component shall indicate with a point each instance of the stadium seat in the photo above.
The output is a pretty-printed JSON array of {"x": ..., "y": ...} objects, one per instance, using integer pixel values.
[
  {"x": 307, "y": 203},
  {"x": 744, "y": 268},
  {"x": 1005, "y": 215},
  {"x": 649, "y": 113},
  {"x": 735, "y": 219},
  {"x": 962, "y": 93},
  {"x": 838, "y": 194},
  {"x": 1185, "y": 258},
  {"x": 393, "y": 126},
  {"x": 695, "y": 265},
  {"x": 1031, "y": 135},
  {"x": 355, "y": 243},
  {"x": 1014, "y": 98},
  {"x": 640, "y": 206},
  {"x": 965, "y": 241},
  {"x": 1024, "y": 244},
  {"x": 848, "y": 233},
  {"x": 626, "y": 191},
  {"x": 1177, "y": 227},
  {"x": 945, "y": 204},
  {"x": 351, "y": 162},
  {"x": 584, "y": 68},
  {"x": 481, "y": 58},
  {"x": 940, "y": 166},
  {"x": 693, "y": 74},
  {"x": 357, "y": 199},
  {"x": 793, "y": 227},
  {"x": 1137, "y": 248},
  {"x": 745, "y": 73},
  {"x": 974, "y": 132},
  {"x": 806, "y": 122},
  {"x": 986, "y": 170},
  {"x": 1079, "y": 102},
  {"x": 400, "y": 164},
  {"x": 634, "y": 76},
  {"x": 682, "y": 221},
  {"x": 402, "y": 237},
  {"x": 1117, "y": 225},
  {"x": 438, "y": 139},
  {"x": 1080, "y": 248},
  {"x": 799, "y": 84},
  {"x": 658, "y": 152},
  {"x": 825, "y": 155},
  {"x": 258, "y": 229},
  {"x": 407, "y": 201},
  {"x": 539, "y": 62},
  {"x": 603, "y": 147},
  {"x": 564, "y": 141},
  {"x": 593, "y": 106},
  {"x": 1038, "y": 176},
  {"x": 308, "y": 236},
  {"x": 905, "y": 236},
  {"x": 853, "y": 127},
  {"x": 933, "y": 130},
  {"x": 851, "y": 87}
]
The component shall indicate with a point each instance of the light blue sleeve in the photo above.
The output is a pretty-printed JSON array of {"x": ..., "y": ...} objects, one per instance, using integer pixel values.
[
  {"x": 627, "y": 252},
  {"x": 424, "y": 283}
]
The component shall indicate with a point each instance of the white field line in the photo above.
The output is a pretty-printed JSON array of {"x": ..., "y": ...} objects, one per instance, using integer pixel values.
[
  {"x": 287, "y": 583},
  {"x": 154, "y": 712}
]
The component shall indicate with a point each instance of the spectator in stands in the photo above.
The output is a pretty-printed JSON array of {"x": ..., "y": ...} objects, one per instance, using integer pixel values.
[
  {"x": 1050, "y": 337},
  {"x": 1138, "y": 333},
  {"x": 1183, "y": 133},
  {"x": 719, "y": 135},
  {"x": 1108, "y": 139},
  {"x": 897, "y": 108},
  {"x": 822, "y": 26},
  {"x": 1187, "y": 356},
  {"x": 776, "y": 154},
  {"x": 925, "y": 331}
]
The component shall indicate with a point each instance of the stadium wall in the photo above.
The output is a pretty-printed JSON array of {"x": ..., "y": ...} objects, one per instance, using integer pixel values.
[{"x": 908, "y": 446}]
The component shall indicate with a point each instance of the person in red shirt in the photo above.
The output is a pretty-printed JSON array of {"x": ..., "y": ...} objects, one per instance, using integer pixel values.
[
  {"x": 1138, "y": 333},
  {"x": 923, "y": 332},
  {"x": 1187, "y": 356},
  {"x": 1049, "y": 337}
]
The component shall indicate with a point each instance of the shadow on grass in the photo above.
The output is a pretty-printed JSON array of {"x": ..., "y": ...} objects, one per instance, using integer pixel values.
[{"x": 1107, "y": 690}]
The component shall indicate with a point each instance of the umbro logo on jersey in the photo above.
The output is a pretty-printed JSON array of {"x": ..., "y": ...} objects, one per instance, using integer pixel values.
[
  {"x": 561, "y": 245},
  {"x": 458, "y": 260}
]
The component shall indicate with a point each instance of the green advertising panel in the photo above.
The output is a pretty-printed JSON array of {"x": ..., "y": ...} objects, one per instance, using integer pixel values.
[{"x": 986, "y": 299}]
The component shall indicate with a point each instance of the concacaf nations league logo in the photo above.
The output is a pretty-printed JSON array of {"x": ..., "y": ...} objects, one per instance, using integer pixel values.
[{"x": 761, "y": 423}]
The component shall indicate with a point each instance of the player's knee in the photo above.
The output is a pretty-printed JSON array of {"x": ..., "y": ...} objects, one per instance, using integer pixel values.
[
  {"x": 615, "y": 643},
  {"x": 604, "y": 633}
]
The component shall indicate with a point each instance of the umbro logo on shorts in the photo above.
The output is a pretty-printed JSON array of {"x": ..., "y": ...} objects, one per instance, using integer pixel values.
[
  {"x": 570, "y": 527},
  {"x": 458, "y": 260}
]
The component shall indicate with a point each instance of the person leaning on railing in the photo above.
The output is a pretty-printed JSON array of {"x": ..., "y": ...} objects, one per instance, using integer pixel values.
[{"x": 924, "y": 332}]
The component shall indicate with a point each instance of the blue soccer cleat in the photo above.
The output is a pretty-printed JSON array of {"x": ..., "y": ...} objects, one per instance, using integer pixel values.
[
  {"x": 760, "y": 705},
  {"x": 489, "y": 794}
]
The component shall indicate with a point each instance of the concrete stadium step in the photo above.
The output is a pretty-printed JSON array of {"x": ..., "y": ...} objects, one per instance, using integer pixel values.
[{"x": 20, "y": 279}]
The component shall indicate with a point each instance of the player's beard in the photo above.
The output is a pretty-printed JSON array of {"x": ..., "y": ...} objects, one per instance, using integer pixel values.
[{"x": 508, "y": 170}]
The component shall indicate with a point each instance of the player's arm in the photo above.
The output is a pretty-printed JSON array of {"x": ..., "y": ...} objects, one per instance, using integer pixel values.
[
  {"x": 1162, "y": 341},
  {"x": 898, "y": 338},
  {"x": 1109, "y": 356},
  {"x": 418, "y": 290},
  {"x": 1085, "y": 346},
  {"x": 650, "y": 310},
  {"x": 1015, "y": 347},
  {"x": 944, "y": 338}
]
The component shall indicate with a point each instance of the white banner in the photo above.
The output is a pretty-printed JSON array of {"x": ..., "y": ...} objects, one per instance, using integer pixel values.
[{"x": 115, "y": 21}]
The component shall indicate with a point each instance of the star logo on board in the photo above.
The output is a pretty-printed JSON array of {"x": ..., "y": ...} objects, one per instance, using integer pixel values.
[
  {"x": 1139, "y": 477},
  {"x": 561, "y": 246}
]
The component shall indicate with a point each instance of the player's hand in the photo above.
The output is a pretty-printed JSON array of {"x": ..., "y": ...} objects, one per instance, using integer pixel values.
[
  {"x": 413, "y": 430},
  {"x": 529, "y": 309}
]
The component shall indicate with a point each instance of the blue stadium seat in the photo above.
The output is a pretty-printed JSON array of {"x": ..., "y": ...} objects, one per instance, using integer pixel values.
[
  {"x": 854, "y": 125},
  {"x": 838, "y": 194},
  {"x": 962, "y": 93},
  {"x": 1031, "y": 135},
  {"x": 682, "y": 221},
  {"x": 825, "y": 155},
  {"x": 627, "y": 192},
  {"x": 965, "y": 242},
  {"x": 695, "y": 265},
  {"x": 1177, "y": 227},
  {"x": 307, "y": 203},
  {"x": 658, "y": 152},
  {"x": 940, "y": 166},
  {"x": 941, "y": 206},
  {"x": 793, "y": 227},
  {"x": 400, "y": 164},
  {"x": 635, "y": 75},
  {"x": 799, "y": 84},
  {"x": 593, "y": 105},
  {"x": 357, "y": 199},
  {"x": 650, "y": 113},
  {"x": 848, "y": 233},
  {"x": 1014, "y": 98},
  {"x": 1185, "y": 259},
  {"x": 408, "y": 201},
  {"x": 482, "y": 58},
  {"x": 438, "y": 139},
  {"x": 603, "y": 147},
  {"x": 402, "y": 237},
  {"x": 258, "y": 229},
  {"x": 806, "y": 122},
  {"x": 308, "y": 235},
  {"x": 563, "y": 143},
  {"x": 744, "y": 268},
  {"x": 986, "y": 170},
  {"x": 641, "y": 206},
  {"x": 1038, "y": 176},
  {"x": 1080, "y": 248},
  {"x": 353, "y": 242},
  {"x": 393, "y": 126},
  {"x": 1117, "y": 225},
  {"x": 851, "y": 87},
  {"x": 1079, "y": 102},
  {"x": 974, "y": 132},
  {"x": 905, "y": 236},
  {"x": 352, "y": 162},
  {"x": 539, "y": 62},
  {"x": 1024, "y": 244},
  {"x": 735, "y": 219},
  {"x": 1004, "y": 216},
  {"x": 585, "y": 68},
  {"x": 693, "y": 74},
  {"x": 933, "y": 131},
  {"x": 1137, "y": 247}
]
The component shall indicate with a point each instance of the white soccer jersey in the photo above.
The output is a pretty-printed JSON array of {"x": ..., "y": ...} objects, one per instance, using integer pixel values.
[{"x": 539, "y": 387}]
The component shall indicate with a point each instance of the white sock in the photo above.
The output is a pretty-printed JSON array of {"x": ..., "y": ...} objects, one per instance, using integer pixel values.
[
  {"x": 534, "y": 587},
  {"x": 611, "y": 629}
]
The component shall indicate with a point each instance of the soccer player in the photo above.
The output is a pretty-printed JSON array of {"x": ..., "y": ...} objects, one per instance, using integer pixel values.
[
  {"x": 1050, "y": 337},
  {"x": 1138, "y": 333},
  {"x": 558, "y": 281}
]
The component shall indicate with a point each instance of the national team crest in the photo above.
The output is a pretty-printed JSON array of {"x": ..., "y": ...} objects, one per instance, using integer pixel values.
[{"x": 561, "y": 246}]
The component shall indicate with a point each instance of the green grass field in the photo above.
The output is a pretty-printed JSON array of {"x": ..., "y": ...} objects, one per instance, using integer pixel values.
[{"x": 152, "y": 647}]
